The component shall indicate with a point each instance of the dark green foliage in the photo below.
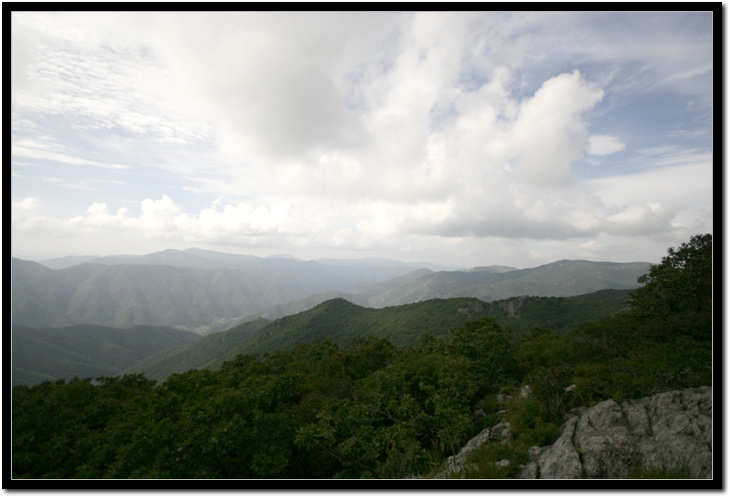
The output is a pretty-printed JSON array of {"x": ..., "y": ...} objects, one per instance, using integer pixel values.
[
  {"x": 405, "y": 326},
  {"x": 682, "y": 282},
  {"x": 559, "y": 314},
  {"x": 664, "y": 340},
  {"x": 367, "y": 409},
  {"x": 74, "y": 428},
  {"x": 484, "y": 343},
  {"x": 342, "y": 321},
  {"x": 677, "y": 295}
]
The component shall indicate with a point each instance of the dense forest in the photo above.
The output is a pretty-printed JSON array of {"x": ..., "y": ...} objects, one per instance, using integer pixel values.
[{"x": 370, "y": 408}]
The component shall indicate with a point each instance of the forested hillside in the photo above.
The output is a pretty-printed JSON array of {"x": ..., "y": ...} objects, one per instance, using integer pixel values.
[
  {"x": 85, "y": 351},
  {"x": 368, "y": 408},
  {"x": 89, "y": 351},
  {"x": 340, "y": 321}
]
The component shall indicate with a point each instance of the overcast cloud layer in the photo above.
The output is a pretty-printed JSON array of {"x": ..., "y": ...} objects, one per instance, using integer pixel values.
[{"x": 461, "y": 138}]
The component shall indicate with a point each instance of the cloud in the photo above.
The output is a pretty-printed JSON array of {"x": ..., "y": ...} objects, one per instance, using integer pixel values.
[
  {"x": 684, "y": 184},
  {"x": 27, "y": 204},
  {"x": 98, "y": 218},
  {"x": 640, "y": 219},
  {"x": 636, "y": 52},
  {"x": 550, "y": 133},
  {"x": 500, "y": 168},
  {"x": 272, "y": 82},
  {"x": 361, "y": 130},
  {"x": 32, "y": 150},
  {"x": 604, "y": 145},
  {"x": 84, "y": 70},
  {"x": 164, "y": 219}
]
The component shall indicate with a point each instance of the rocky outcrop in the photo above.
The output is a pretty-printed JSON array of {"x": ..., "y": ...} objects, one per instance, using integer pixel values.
[
  {"x": 496, "y": 434},
  {"x": 513, "y": 305},
  {"x": 670, "y": 430}
]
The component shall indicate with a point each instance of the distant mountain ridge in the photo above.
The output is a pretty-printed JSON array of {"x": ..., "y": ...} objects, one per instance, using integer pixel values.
[
  {"x": 122, "y": 295},
  {"x": 207, "y": 291},
  {"x": 558, "y": 279},
  {"x": 193, "y": 289},
  {"x": 209, "y": 259}
]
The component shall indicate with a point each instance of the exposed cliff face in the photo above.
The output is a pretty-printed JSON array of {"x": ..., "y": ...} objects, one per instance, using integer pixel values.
[
  {"x": 668, "y": 430},
  {"x": 513, "y": 306}
]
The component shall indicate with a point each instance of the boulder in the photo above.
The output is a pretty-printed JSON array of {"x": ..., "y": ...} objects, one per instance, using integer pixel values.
[{"x": 670, "y": 430}]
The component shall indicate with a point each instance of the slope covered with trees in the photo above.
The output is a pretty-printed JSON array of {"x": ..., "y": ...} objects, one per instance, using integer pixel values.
[
  {"x": 405, "y": 326},
  {"x": 45, "y": 354},
  {"x": 370, "y": 409}
]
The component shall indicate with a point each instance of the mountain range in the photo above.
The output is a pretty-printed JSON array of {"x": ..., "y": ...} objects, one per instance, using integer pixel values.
[
  {"x": 196, "y": 290},
  {"x": 206, "y": 291},
  {"x": 148, "y": 313}
]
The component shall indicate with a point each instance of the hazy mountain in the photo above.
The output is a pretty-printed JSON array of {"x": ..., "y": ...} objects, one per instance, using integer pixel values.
[
  {"x": 492, "y": 269},
  {"x": 68, "y": 261},
  {"x": 559, "y": 279},
  {"x": 85, "y": 351},
  {"x": 351, "y": 273},
  {"x": 126, "y": 295},
  {"x": 301, "y": 305},
  {"x": 360, "y": 297},
  {"x": 381, "y": 261},
  {"x": 39, "y": 295},
  {"x": 195, "y": 289}
]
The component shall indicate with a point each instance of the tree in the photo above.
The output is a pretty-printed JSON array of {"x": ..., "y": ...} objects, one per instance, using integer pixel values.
[
  {"x": 664, "y": 340},
  {"x": 683, "y": 280},
  {"x": 483, "y": 342},
  {"x": 677, "y": 296}
]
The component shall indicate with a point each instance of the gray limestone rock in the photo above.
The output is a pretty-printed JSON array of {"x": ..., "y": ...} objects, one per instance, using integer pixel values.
[
  {"x": 497, "y": 433},
  {"x": 609, "y": 440}
]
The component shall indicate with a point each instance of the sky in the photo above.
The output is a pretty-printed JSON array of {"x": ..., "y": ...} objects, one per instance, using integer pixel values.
[{"x": 460, "y": 138}]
